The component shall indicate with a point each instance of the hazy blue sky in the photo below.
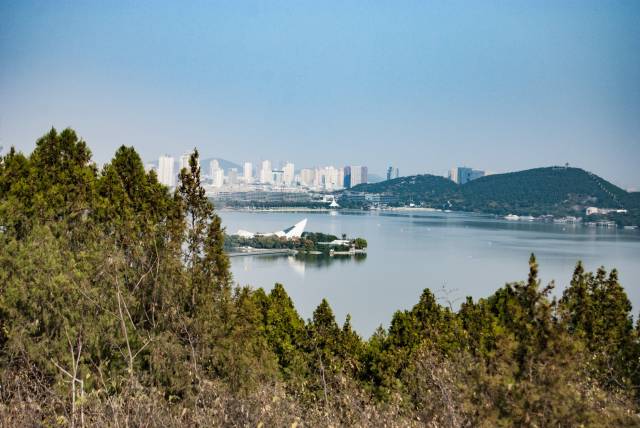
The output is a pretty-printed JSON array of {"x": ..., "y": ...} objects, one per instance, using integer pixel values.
[{"x": 421, "y": 85}]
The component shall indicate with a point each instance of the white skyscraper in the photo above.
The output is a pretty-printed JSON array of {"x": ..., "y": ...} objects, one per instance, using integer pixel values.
[
  {"x": 218, "y": 178},
  {"x": 340, "y": 182},
  {"x": 232, "y": 177},
  {"x": 266, "y": 172},
  {"x": 453, "y": 175},
  {"x": 356, "y": 175},
  {"x": 184, "y": 160},
  {"x": 333, "y": 174},
  {"x": 464, "y": 174},
  {"x": 165, "y": 170},
  {"x": 214, "y": 166},
  {"x": 307, "y": 177},
  {"x": 288, "y": 173},
  {"x": 327, "y": 178},
  {"x": 248, "y": 172}
]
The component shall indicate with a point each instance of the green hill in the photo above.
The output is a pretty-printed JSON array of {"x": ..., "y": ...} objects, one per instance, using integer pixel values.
[
  {"x": 557, "y": 191},
  {"x": 553, "y": 190},
  {"x": 416, "y": 188}
]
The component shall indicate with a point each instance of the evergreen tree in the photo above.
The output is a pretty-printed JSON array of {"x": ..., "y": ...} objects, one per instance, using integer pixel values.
[
  {"x": 62, "y": 177},
  {"x": 285, "y": 332},
  {"x": 595, "y": 309}
]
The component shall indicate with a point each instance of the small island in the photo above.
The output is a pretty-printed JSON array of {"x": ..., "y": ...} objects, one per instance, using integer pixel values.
[{"x": 308, "y": 243}]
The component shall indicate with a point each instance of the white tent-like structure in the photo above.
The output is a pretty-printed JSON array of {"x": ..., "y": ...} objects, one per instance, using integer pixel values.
[{"x": 294, "y": 231}]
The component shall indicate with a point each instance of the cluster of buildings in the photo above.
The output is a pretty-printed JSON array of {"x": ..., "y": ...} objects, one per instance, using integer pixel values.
[
  {"x": 604, "y": 211},
  {"x": 264, "y": 177}
]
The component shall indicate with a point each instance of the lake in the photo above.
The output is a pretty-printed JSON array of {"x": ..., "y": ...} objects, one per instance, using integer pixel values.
[{"x": 453, "y": 254}]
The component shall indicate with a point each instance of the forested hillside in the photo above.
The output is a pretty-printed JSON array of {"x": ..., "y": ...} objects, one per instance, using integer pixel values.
[
  {"x": 553, "y": 190},
  {"x": 117, "y": 308},
  {"x": 556, "y": 191},
  {"x": 416, "y": 188}
]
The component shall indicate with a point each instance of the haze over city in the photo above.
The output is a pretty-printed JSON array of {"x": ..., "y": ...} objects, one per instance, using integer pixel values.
[{"x": 425, "y": 87}]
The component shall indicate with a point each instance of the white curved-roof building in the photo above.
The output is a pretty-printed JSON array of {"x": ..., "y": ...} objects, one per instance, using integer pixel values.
[{"x": 294, "y": 231}]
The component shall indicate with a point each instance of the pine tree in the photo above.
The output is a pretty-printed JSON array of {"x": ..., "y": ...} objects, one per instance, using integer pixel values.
[
  {"x": 285, "y": 332},
  {"x": 204, "y": 257}
]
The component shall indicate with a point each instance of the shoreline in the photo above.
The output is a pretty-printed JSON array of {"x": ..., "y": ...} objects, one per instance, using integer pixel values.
[
  {"x": 308, "y": 209},
  {"x": 282, "y": 210},
  {"x": 555, "y": 220}
]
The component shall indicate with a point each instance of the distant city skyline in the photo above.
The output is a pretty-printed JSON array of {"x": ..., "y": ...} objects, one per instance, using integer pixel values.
[
  {"x": 269, "y": 175},
  {"x": 423, "y": 86}
]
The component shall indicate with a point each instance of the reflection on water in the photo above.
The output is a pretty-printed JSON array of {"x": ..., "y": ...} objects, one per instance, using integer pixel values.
[
  {"x": 322, "y": 261},
  {"x": 300, "y": 262}
]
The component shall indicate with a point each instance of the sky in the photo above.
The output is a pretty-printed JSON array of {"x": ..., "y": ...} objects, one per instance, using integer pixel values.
[{"x": 423, "y": 86}]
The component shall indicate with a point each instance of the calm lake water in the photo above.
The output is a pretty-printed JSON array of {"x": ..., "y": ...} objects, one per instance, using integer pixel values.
[{"x": 455, "y": 255}]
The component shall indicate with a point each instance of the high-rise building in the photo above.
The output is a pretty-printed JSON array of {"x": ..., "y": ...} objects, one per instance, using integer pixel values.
[
  {"x": 288, "y": 173},
  {"x": 232, "y": 178},
  {"x": 453, "y": 175},
  {"x": 248, "y": 172},
  {"x": 354, "y": 175},
  {"x": 214, "y": 166},
  {"x": 327, "y": 178},
  {"x": 392, "y": 173},
  {"x": 464, "y": 174},
  {"x": 307, "y": 177},
  {"x": 277, "y": 177},
  {"x": 476, "y": 173},
  {"x": 218, "y": 178},
  {"x": 340, "y": 180},
  {"x": 266, "y": 174},
  {"x": 184, "y": 160},
  {"x": 165, "y": 170}
]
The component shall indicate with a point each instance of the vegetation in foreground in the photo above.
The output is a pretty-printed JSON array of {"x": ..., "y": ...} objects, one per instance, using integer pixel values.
[{"x": 117, "y": 309}]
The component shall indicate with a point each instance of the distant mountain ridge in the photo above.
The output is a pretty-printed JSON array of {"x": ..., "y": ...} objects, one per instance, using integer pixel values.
[
  {"x": 204, "y": 164},
  {"x": 224, "y": 164},
  {"x": 538, "y": 191}
]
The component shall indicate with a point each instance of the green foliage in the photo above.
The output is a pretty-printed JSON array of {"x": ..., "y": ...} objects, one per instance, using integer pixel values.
[
  {"x": 596, "y": 309},
  {"x": 116, "y": 301},
  {"x": 554, "y": 190},
  {"x": 360, "y": 243},
  {"x": 285, "y": 331},
  {"x": 426, "y": 188}
]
